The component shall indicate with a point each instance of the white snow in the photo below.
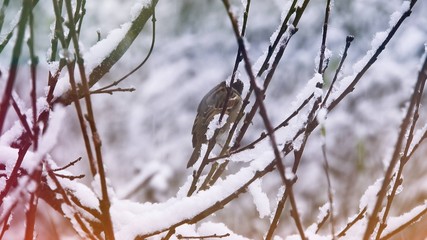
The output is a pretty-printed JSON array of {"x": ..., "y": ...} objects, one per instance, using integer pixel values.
[
  {"x": 98, "y": 52},
  {"x": 150, "y": 131},
  {"x": 323, "y": 211},
  {"x": 215, "y": 124},
  {"x": 137, "y": 8},
  {"x": 158, "y": 216},
  {"x": 261, "y": 200},
  {"x": 321, "y": 116},
  {"x": 396, "y": 15},
  {"x": 417, "y": 137},
  {"x": 375, "y": 43},
  {"x": 211, "y": 228},
  {"x": 395, "y": 222},
  {"x": 369, "y": 198}
]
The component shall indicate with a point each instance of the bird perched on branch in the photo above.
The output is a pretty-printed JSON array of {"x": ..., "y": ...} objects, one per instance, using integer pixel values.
[{"x": 211, "y": 105}]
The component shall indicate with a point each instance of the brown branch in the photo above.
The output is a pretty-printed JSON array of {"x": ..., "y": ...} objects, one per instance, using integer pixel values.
[
  {"x": 418, "y": 89},
  {"x": 111, "y": 91},
  {"x": 259, "y": 94},
  {"x": 321, "y": 68},
  {"x": 405, "y": 225},
  {"x": 348, "y": 41},
  {"x": 104, "y": 67},
  {"x": 13, "y": 177},
  {"x": 271, "y": 49},
  {"x": 373, "y": 59},
  {"x": 104, "y": 201},
  {"x": 68, "y": 165},
  {"x": 32, "y": 204},
  {"x": 70, "y": 177},
  {"x": 410, "y": 135},
  {"x": 76, "y": 215},
  {"x": 359, "y": 217},
  {"x": 179, "y": 236},
  {"x": 70, "y": 67},
  {"x": 115, "y": 83},
  {"x": 13, "y": 67}
]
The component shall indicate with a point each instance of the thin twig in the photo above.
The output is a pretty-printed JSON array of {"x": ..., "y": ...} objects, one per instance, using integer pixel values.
[
  {"x": 373, "y": 219},
  {"x": 9, "y": 35},
  {"x": 76, "y": 215},
  {"x": 179, "y": 236},
  {"x": 358, "y": 217},
  {"x": 249, "y": 116},
  {"x": 322, "y": 222},
  {"x": 13, "y": 177},
  {"x": 33, "y": 69},
  {"x": 263, "y": 112},
  {"x": 54, "y": 40},
  {"x": 328, "y": 178},
  {"x": 403, "y": 158},
  {"x": 104, "y": 67},
  {"x": 70, "y": 67},
  {"x": 104, "y": 201},
  {"x": 22, "y": 117},
  {"x": 70, "y": 177},
  {"x": 115, "y": 83},
  {"x": 405, "y": 225},
  {"x": 373, "y": 58},
  {"x": 6, "y": 225},
  {"x": 68, "y": 165},
  {"x": 271, "y": 49},
  {"x": 321, "y": 68},
  {"x": 32, "y": 204},
  {"x": 216, "y": 168},
  {"x": 36, "y": 176},
  {"x": 348, "y": 41},
  {"x": 111, "y": 91}
]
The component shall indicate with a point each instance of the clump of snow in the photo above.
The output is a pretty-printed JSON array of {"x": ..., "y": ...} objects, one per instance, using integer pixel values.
[
  {"x": 62, "y": 86},
  {"x": 137, "y": 8},
  {"x": 310, "y": 233},
  {"x": 394, "y": 18},
  {"x": 98, "y": 52},
  {"x": 323, "y": 211},
  {"x": 369, "y": 198},
  {"x": 66, "y": 54},
  {"x": 321, "y": 116},
  {"x": 215, "y": 124},
  {"x": 327, "y": 54},
  {"x": 85, "y": 195},
  {"x": 159, "y": 216},
  {"x": 394, "y": 223},
  {"x": 219, "y": 229},
  {"x": 375, "y": 43},
  {"x": 261, "y": 200},
  {"x": 418, "y": 135},
  {"x": 69, "y": 213},
  {"x": 289, "y": 174},
  {"x": 309, "y": 88}
]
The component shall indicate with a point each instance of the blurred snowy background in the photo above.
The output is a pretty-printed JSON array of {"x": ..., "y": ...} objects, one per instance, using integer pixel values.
[{"x": 148, "y": 132}]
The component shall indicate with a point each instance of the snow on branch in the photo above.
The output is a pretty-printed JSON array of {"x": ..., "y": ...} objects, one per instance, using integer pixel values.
[{"x": 104, "y": 55}]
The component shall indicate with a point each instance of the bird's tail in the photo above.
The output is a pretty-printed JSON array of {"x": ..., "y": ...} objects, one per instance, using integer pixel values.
[{"x": 194, "y": 157}]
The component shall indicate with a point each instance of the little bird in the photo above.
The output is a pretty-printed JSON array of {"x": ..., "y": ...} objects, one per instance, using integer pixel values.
[{"x": 213, "y": 104}]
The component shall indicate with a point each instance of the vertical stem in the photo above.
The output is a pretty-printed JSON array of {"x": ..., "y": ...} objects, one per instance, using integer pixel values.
[
  {"x": 13, "y": 68},
  {"x": 33, "y": 69},
  {"x": 105, "y": 201},
  {"x": 32, "y": 209},
  {"x": 70, "y": 67}
]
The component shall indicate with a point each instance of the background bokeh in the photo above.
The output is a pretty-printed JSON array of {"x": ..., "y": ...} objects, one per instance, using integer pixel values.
[{"x": 149, "y": 130}]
